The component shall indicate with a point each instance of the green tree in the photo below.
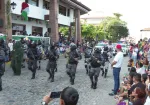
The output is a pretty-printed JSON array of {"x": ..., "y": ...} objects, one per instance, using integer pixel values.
[
  {"x": 64, "y": 30},
  {"x": 88, "y": 31},
  {"x": 114, "y": 28},
  {"x": 117, "y": 15}
]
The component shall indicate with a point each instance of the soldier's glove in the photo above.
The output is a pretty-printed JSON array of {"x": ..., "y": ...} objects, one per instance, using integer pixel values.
[
  {"x": 76, "y": 59},
  {"x": 98, "y": 61}
]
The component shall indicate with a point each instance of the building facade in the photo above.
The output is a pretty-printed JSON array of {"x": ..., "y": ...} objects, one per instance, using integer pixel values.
[
  {"x": 93, "y": 17},
  {"x": 145, "y": 33},
  {"x": 44, "y": 16}
]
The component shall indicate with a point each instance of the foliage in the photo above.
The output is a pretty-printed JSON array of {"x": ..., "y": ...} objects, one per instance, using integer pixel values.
[
  {"x": 64, "y": 30},
  {"x": 114, "y": 28},
  {"x": 117, "y": 15},
  {"x": 8, "y": 14},
  {"x": 17, "y": 57}
]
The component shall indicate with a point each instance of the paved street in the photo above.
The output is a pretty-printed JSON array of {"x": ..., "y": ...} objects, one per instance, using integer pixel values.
[{"x": 21, "y": 90}]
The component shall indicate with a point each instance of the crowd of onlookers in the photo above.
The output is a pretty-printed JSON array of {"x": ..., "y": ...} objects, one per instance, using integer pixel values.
[{"x": 135, "y": 86}]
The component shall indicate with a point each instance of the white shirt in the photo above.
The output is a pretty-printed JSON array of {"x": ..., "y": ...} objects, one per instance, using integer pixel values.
[
  {"x": 10, "y": 45},
  {"x": 147, "y": 101},
  {"x": 119, "y": 59},
  {"x": 141, "y": 70}
]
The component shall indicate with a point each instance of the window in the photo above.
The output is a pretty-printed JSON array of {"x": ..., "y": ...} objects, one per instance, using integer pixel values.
[
  {"x": 33, "y": 2},
  {"x": 62, "y": 10},
  {"x": 68, "y": 12},
  {"x": 46, "y": 4}
]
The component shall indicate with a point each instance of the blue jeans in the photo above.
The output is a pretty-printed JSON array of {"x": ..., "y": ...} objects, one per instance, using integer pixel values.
[{"x": 116, "y": 73}]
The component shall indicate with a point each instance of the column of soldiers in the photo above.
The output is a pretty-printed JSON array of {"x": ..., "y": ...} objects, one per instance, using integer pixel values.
[{"x": 95, "y": 62}]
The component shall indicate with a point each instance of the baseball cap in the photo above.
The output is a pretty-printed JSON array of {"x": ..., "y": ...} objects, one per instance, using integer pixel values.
[
  {"x": 70, "y": 96},
  {"x": 119, "y": 46}
]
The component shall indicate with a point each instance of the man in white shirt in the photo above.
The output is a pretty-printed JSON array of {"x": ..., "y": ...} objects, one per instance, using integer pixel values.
[
  {"x": 116, "y": 64},
  {"x": 10, "y": 45}
]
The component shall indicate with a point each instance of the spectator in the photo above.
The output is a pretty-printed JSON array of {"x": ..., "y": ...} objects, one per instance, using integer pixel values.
[
  {"x": 133, "y": 69},
  {"x": 10, "y": 45},
  {"x": 139, "y": 96},
  {"x": 116, "y": 64},
  {"x": 147, "y": 102},
  {"x": 134, "y": 56},
  {"x": 140, "y": 68},
  {"x": 69, "y": 96},
  {"x": 144, "y": 78},
  {"x": 137, "y": 83}
]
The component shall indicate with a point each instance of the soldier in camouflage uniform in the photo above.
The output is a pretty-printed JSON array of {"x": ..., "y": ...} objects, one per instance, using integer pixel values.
[
  {"x": 72, "y": 63},
  {"x": 52, "y": 65},
  {"x": 33, "y": 57},
  {"x": 94, "y": 72},
  {"x": 106, "y": 57},
  {"x": 2, "y": 63}
]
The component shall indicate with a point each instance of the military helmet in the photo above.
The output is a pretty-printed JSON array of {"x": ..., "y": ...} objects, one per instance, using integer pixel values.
[
  {"x": 106, "y": 48},
  {"x": 73, "y": 47},
  {"x": 97, "y": 50}
]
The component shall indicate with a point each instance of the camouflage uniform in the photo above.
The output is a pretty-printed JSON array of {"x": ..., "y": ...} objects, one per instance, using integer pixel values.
[
  {"x": 95, "y": 68},
  {"x": 72, "y": 64},
  {"x": 52, "y": 65},
  {"x": 33, "y": 57}
]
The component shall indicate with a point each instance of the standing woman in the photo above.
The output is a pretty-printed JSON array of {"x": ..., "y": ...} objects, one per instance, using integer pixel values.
[{"x": 148, "y": 57}]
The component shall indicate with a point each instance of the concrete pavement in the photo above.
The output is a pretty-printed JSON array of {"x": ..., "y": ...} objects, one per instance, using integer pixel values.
[{"x": 21, "y": 90}]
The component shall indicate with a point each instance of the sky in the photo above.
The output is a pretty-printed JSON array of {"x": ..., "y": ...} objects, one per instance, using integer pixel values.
[{"x": 135, "y": 12}]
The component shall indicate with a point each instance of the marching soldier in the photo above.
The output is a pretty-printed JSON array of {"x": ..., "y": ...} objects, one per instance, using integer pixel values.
[
  {"x": 33, "y": 57},
  {"x": 40, "y": 53},
  {"x": 106, "y": 61},
  {"x": 87, "y": 55},
  {"x": 25, "y": 47},
  {"x": 2, "y": 63},
  {"x": 72, "y": 63},
  {"x": 95, "y": 61},
  {"x": 52, "y": 65}
]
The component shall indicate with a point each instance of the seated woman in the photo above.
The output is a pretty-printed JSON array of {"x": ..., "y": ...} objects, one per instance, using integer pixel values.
[
  {"x": 139, "y": 96},
  {"x": 144, "y": 78},
  {"x": 125, "y": 87},
  {"x": 140, "y": 68}
]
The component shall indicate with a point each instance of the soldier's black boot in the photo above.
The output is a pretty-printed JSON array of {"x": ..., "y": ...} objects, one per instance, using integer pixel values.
[
  {"x": 39, "y": 65},
  {"x": 95, "y": 84},
  {"x": 33, "y": 76},
  {"x": 105, "y": 73},
  {"x": 56, "y": 69},
  {"x": 92, "y": 82},
  {"x": 0, "y": 84},
  {"x": 52, "y": 73},
  {"x": 1, "y": 88},
  {"x": 72, "y": 81},
  {"x": 49, "y": 74},
  {"x": 102, "y": 71},
  {"x": 87, "y": 71}
]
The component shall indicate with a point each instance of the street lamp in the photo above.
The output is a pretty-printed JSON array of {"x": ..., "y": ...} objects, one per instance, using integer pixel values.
[{"x": 13, "y": 5}]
